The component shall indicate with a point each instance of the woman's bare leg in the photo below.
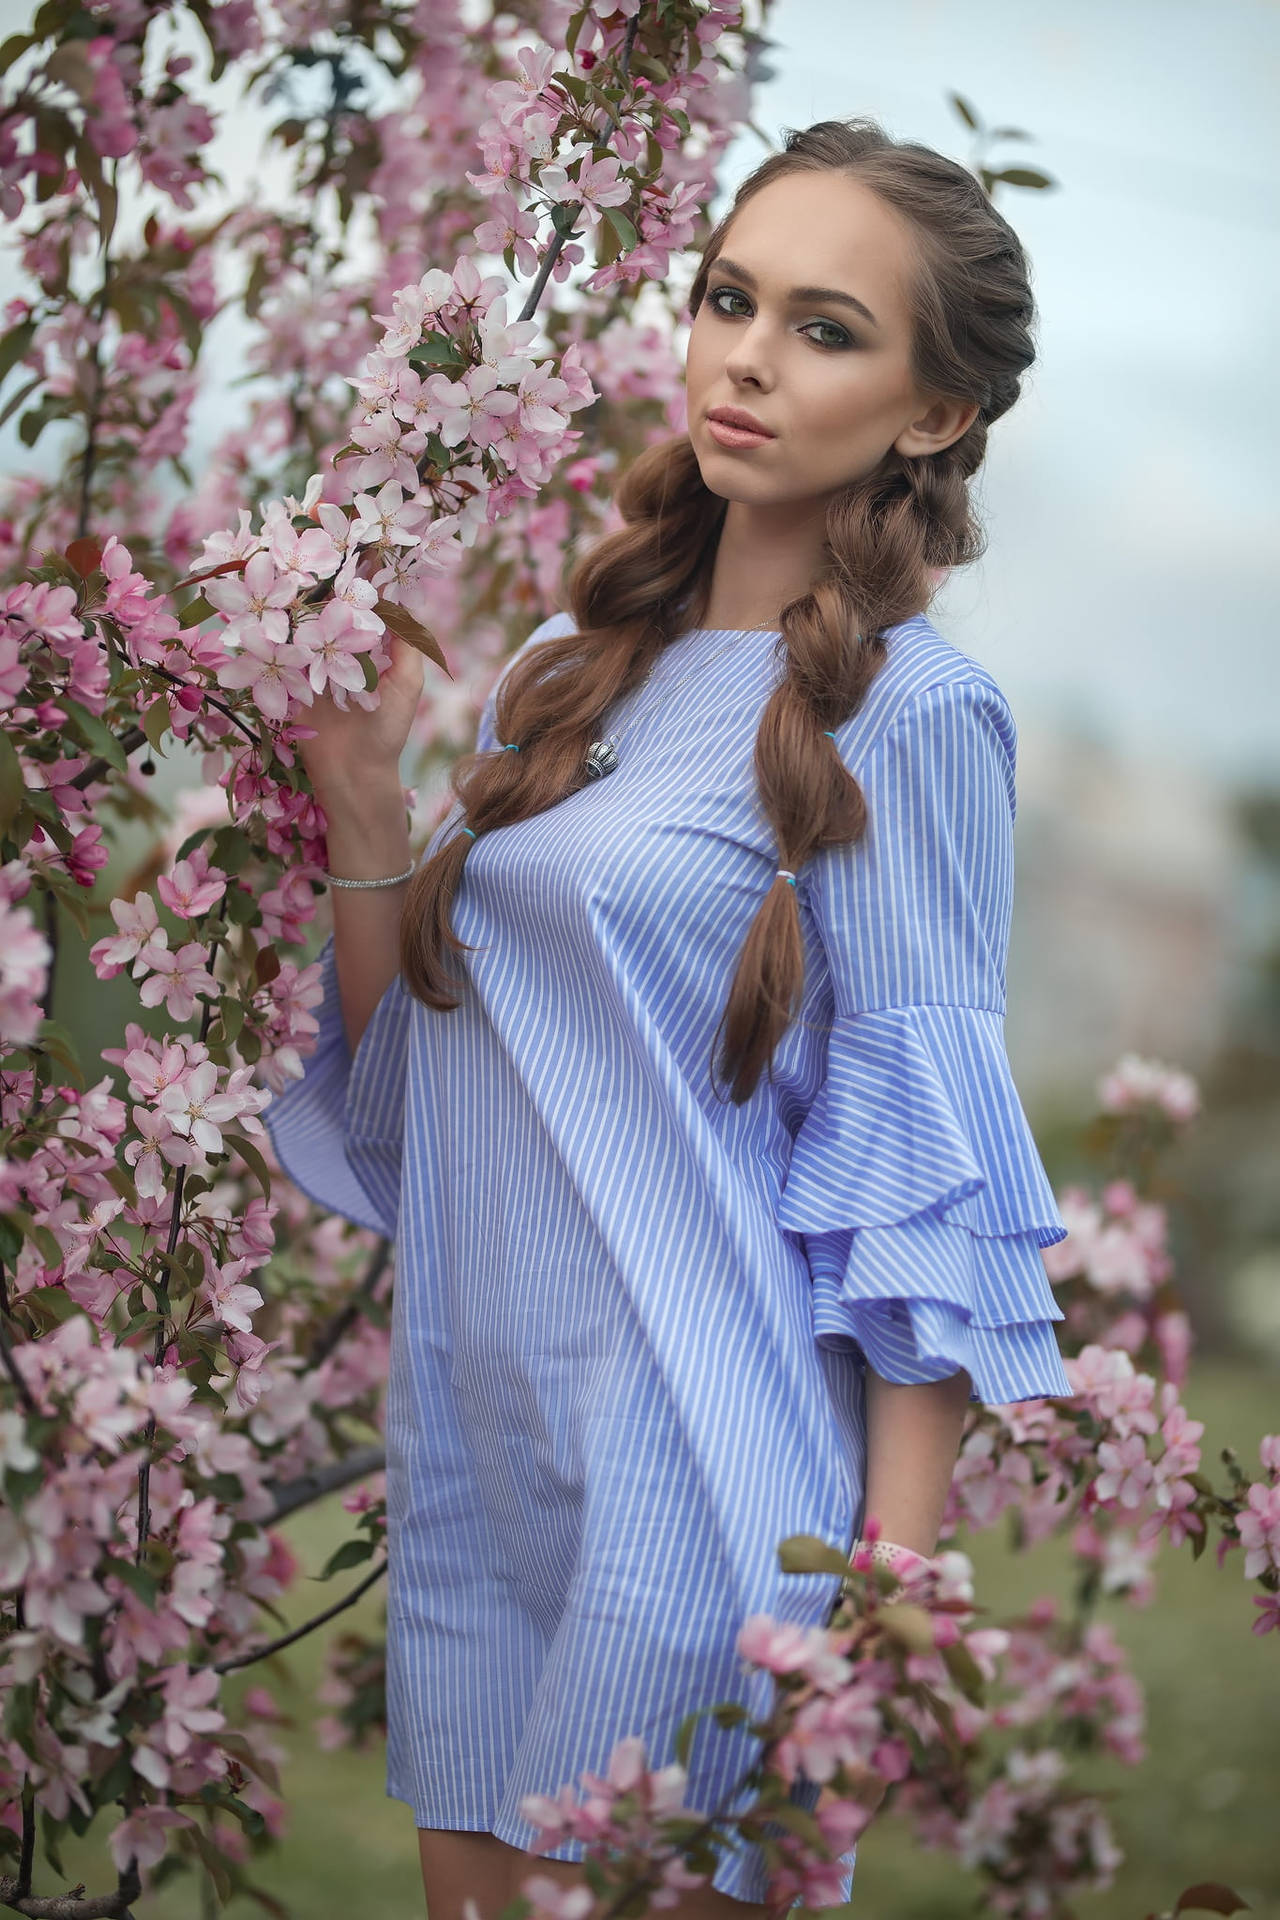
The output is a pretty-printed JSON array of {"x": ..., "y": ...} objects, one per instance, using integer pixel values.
[
  {"x": 463, "y": 1866},
  {"x": 697, "y": 1903}
]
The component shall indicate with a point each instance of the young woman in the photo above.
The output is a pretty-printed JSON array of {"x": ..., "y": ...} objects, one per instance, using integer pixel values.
[{"x": 677, "y": 1068}]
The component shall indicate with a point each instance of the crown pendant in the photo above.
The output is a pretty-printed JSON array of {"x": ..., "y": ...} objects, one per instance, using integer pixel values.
[{"x": 602, "y": 758}]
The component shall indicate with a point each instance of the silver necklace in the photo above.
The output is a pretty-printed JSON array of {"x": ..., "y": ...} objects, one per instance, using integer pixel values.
[{"x": 602, "y": 755}]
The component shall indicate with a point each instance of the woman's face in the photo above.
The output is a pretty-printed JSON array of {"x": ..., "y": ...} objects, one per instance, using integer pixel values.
[{"x": 830, "y": 381}]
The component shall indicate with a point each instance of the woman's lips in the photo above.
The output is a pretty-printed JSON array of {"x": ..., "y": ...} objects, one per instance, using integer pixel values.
[{"x": 736, "y": 436}]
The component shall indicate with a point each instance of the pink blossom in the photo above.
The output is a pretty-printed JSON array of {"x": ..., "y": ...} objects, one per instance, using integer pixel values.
[
  {"x": 254, "y": 602},
  {"x": 782, "y": 1647},
  {"x": 1127, "y": 1474},
  {"x": 34, "y": 607},
  {"x": 154, "y": 1147},
  {"x": 1269, "y": 1617},
  {"x": 25, "y": 954},
  {"x": 193, "y": 887},
  {"x": 470, "y": 408},
  {"x": 1259, "y": 1528},
  {"x": 555, "y": 1901},
  {"x": 176, "y": 978},
  {"x": 196, "y": 1110},
  {"x": 272, "y": 672},
  {"x": 386, "y": 519},
  {"x": 334, "y": 644},
  {"x": 1136, "y": 1082},
  {"x": 143, "y": 1836},
  {"x": 139, "y": 926},
  {"x": 128, "y": 595}
]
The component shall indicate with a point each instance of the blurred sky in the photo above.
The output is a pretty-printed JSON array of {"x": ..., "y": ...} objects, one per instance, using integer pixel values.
[{"x": 1131, "y": 496}]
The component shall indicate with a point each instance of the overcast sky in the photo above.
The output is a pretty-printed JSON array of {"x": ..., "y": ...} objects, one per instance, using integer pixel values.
[{"x": 1131, "y": 496}]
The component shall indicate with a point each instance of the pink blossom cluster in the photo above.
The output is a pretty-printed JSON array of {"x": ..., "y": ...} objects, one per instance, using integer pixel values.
[
  {"x": 1136, "y": 1082},
  {"x": 24, "y": 959},
  {"x": 620, "y": 1817}
]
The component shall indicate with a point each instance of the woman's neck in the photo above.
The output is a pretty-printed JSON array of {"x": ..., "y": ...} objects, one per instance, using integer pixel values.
[{"x": 765, "y": 557}]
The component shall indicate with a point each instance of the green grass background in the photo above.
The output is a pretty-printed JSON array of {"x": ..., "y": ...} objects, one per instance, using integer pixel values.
[{"x": 1204, "y": 1806}]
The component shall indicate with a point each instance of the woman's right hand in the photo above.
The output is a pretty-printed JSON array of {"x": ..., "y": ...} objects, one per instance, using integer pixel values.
[{"x": 357, "y": 749}]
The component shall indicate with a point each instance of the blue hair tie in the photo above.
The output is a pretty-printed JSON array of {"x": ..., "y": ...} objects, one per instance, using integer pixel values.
[
  {"x": 471, "y": 831},
  {"x": 785, "y": 873},
  {"x": 511, "y": 747},
  {"x": 828, "y": 733}
]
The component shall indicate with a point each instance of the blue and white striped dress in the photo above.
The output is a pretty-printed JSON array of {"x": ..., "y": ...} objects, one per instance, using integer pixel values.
[{"x": 631, "y": 1320}]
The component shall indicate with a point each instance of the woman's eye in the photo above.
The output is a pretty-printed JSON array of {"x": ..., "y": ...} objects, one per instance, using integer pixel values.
[{"x": 842, "y": 339}]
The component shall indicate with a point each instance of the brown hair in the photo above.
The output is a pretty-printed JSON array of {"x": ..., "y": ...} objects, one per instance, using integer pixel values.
[{"x": 641, "y": 586}]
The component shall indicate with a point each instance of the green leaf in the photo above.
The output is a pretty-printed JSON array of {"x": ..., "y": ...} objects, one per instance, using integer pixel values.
[
  {"x": 53, "y": 1305},
  {"x": 19, "y": 1713},
  {"x": 684, "y": 1734},
  {"x": 1024, "y": 177},
  {"x": 805, "y": 1553},
  {"x": 95, "y": 733},
  {"x": 912, "y": 1628},
  {"x": 576, "y": 23},
  {"x": 12, "y": 786},
  {"x": 195, "y": 611},
  {"x": 138, "y": 1581},
  {"x": 156, "y": 722},
  {"x": 92, "y": 173},
  {"x": 965, "y": 111},
  {"x": 730, "y": 1713},
  {"x": 240, "y": 907},
  {"x": 250, "y": 1155},
  {"x": 627, "y": 235},
  {"x": 14, "y": 345},
  {"x": 192, "y": 841},
  {"x": 352, "y": 1553},
  {"x": 964, "y": 1670},
  {"x": 34, "y": 422},
  {"x": 54, "y": 1039},
  {"x": 10, "y": 1240},
  {"x": 232, "y": 1015},
  {"x": 214, "y": 1863},
  {"x": 232, "y": 848},
  {"x": 13, "y": 49},
  {"x": 20, "y": 399}
]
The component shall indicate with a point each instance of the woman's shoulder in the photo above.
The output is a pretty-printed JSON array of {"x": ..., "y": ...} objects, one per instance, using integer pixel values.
[{"x": 923, "y": 672}]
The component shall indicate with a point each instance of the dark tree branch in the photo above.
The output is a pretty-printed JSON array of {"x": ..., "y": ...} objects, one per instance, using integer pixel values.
[
  {"x": 307, "y": 1488},
  {"x": 308, "y": 1626},
  {"x": 162, "y": 1331},
  {"x": 335, "y": 1329}
]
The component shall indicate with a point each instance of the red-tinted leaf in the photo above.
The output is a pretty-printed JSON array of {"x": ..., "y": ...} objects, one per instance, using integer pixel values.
[
  {"x": 85, "y": 556},
  {"x": 1209, "y": 1896}
]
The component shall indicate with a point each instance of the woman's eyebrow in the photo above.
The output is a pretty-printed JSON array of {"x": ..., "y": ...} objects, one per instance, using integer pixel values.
[{"x": 829, "y": 295}]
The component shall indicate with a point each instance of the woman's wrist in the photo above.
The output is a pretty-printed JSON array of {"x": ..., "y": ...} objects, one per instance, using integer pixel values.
[
  {"x": 370, "y": 802},
  {"x": 368, "y": 846},
  {"x": 902, "y": 1562}
]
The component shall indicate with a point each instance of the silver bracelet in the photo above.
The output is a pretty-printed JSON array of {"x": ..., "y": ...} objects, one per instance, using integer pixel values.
[{"x": 393, "y": 881}]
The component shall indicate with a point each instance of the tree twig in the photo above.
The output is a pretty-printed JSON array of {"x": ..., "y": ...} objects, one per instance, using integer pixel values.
[
  {"x": 333, "y": 1330},
  {"x": 308, "y": 1626},
  {"x": 290, "y": 1495}
]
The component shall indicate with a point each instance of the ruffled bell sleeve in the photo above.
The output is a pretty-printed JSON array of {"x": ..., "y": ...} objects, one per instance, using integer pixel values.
[
  {"x": 915, "y": 1182},
  {"x": 338, "y": 1132}
]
